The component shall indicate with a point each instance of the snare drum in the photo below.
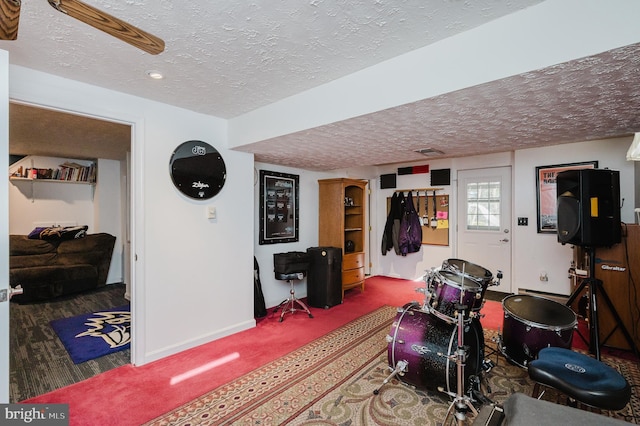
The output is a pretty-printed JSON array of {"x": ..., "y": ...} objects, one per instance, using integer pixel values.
[
  {"x": 532, "y": 323},
  {"x": 429, "y": 346},
  {"x": 447, "y": 289}
]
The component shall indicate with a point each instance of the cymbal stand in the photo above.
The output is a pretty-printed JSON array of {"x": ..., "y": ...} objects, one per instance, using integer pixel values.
[{"x": 461, "y": 403}]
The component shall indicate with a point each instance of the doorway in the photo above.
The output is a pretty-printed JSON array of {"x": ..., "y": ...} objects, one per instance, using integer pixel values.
[
  {"x": 46, "y": 132},
  {"x": 484, "y": 221}
]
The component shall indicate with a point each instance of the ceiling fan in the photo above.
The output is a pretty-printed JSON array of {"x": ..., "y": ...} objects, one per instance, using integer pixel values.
[{"x": 10, "y": 16}]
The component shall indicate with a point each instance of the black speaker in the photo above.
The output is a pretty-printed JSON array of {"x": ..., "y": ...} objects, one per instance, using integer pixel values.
[
  {"x": 588, "y": 207},
  {"x": 324, "y": 277}
]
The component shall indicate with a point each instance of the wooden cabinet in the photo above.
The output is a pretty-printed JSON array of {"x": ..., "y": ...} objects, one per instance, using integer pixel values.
[{"x": 342, "y": 224}]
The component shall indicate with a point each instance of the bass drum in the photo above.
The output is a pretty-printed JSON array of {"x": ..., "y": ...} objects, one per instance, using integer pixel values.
[
  {"x": 532, "y": 323},
  {"x": 426, "y": 343}
]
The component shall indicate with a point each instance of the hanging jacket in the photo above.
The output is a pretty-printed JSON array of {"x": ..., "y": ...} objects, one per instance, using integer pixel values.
[
  {"x": 387, "y": 235},
  {"x": 397, "y": 217},
  {"x": 410, "y": 237}
]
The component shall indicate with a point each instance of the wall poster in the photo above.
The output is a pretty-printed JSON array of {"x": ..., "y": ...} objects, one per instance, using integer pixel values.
[{"x": 279, "y": 222}]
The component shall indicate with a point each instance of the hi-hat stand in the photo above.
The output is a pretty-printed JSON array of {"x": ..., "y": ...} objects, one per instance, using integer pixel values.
[{"x": 594, "y": 287}]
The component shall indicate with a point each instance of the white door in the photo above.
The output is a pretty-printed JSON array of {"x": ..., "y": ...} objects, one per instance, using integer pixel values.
[
  {"x": 4, "y": 227},
  {"x": 484, "y": 221}
]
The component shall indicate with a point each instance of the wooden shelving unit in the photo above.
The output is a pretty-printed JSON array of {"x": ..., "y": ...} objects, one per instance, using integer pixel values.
[{"x": 342, "y": 219}]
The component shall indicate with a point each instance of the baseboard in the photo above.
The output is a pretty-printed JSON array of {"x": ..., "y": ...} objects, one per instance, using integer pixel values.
[{"x": 183, "y": 346}]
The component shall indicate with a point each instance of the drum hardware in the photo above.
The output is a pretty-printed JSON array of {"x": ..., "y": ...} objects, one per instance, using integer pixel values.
[
  {"x": 401, "y": 368},
  {"x": 496, "y": 280},
  {"x": 461, "y": 403}
]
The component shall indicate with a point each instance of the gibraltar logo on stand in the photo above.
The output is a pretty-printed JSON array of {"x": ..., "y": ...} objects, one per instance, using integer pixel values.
[{"x": 197, "y": 170}]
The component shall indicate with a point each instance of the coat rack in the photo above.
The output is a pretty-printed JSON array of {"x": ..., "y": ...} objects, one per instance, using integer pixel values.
[{"x": 438, "y": 235}]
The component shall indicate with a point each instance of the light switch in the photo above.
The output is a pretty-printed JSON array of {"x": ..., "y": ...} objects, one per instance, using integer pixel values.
[{"x": 211, "y": 212}]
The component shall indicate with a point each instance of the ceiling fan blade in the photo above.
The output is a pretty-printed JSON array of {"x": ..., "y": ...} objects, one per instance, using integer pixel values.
[
  {"x": 109, "y": 24},
  {"x": 9, "y": 19}
]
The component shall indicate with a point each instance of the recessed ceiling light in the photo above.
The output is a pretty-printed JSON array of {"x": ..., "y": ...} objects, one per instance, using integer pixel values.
[{"x": 156, "y": 75}]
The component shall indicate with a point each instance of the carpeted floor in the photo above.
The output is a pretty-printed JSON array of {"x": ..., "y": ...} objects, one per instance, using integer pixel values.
[
  {"x": 331, "y": 382},
  {"x": 39, "y": 363}
]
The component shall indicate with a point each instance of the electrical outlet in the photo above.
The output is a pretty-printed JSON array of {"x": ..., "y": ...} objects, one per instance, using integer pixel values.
[{"x": 523, "y": 221}]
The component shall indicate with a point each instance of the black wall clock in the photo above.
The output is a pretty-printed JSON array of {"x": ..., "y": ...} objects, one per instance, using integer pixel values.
[{"x": 197, "y": 170}]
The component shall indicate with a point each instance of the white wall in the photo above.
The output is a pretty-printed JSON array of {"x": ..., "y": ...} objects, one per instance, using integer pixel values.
[
  {"x": 541, "y": 252},
  {"x": 532, "y": 252},
  {"x": 193, "y": 276},
  {"x": 276, "y": 291},
  {"x": 108, "y": 213},
  {"x": 46, "y": 202},
  {"x": 413, "y": 266}
]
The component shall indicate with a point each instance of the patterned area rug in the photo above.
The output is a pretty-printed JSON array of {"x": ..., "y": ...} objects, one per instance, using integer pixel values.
[{"x": 331, "y": 382}]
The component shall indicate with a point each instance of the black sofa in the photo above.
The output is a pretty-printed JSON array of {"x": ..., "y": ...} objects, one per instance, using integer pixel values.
[{"x": 46, "y": 269}]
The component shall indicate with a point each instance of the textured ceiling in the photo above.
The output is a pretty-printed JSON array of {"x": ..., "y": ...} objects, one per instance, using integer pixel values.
[
  {"x": 227, "y": 58},
  {"x": 591, "y": 98}
]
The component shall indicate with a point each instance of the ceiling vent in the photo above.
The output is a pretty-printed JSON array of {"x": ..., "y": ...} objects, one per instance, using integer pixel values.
[{"x": 429, "y": 152}]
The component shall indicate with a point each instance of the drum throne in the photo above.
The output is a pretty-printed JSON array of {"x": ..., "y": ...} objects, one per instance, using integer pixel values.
[
  {"x": 581, "y": 378},
  {"x": 291, "y": 267}
]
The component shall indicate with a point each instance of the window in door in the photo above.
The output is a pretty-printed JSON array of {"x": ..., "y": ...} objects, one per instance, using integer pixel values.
[{"x": 483, "y": 206}]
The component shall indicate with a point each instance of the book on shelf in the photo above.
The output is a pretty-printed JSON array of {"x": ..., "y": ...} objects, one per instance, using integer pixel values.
[{"x": 68, "y": 171}]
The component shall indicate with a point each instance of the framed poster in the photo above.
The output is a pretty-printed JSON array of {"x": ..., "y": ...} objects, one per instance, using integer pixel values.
[
  {"x": 546, "y": 196},
  {"x": 279, "y": 221}
]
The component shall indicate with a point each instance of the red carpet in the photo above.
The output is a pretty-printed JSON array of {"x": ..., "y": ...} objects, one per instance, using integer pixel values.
[{"x": 133, "y": 395}]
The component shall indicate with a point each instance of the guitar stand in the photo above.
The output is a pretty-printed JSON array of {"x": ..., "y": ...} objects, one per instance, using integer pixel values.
[{"x": 593, "y": 286}]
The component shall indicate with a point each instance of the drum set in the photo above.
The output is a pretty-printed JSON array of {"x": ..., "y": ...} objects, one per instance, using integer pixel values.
[{"x": 439, "y": 345}]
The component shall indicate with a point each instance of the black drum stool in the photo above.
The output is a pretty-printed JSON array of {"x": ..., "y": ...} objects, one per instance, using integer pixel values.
[
  {"x": 582, "y": 378},
  {"x": 289, "y": 305}
]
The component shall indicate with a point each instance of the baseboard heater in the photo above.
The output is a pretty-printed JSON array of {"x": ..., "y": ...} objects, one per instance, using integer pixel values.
[{"x": 560, "y": 298}]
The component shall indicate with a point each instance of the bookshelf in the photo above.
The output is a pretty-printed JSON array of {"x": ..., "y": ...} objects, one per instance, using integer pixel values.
[{"x": 75, "y": 172}]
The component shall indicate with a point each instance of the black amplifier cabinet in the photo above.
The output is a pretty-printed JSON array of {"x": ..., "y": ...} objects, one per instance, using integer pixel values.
[{"x": 324, "y": 277}]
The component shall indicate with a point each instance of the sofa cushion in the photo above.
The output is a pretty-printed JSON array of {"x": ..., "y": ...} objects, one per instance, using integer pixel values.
[
  {"x": 21, "y": 245},
  {"x": 47, "y": 269},
  {"x": 34, "y": 274},
  {"x": 46, "y": 259},
  {"x": 46, "y": 282}
]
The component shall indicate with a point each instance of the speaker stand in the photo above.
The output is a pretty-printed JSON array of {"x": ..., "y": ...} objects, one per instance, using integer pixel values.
[{"x": 594, "y": 286}]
